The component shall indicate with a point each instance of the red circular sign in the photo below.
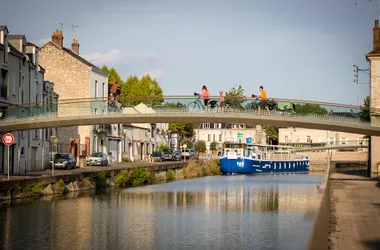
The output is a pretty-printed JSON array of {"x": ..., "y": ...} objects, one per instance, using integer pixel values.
[{"x": 8, "y": 139}]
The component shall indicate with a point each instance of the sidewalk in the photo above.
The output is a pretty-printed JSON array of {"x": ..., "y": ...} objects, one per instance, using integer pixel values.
[{"x": 355, "y": 212}]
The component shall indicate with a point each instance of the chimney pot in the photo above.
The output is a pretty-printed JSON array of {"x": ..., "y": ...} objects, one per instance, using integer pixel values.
[
  {"x": 60, "y": 32},
  {"x": 75, "y": 46},
  {"x": 376, "y": 23},
  {"x": 376, "y": 35}
]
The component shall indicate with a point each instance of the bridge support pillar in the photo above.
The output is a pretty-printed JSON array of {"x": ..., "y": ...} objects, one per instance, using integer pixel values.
[{"x": 374, "y": 156}]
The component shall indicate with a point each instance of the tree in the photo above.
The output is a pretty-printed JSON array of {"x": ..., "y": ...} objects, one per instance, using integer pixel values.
[
  {"x": 175, "y": 105},
  {"x": 188, "y": 143},
  {"x": 146, "y": 90},
  {"x": 365, "y": 114},
  {"x": 200, "y": 146},
  {"x": 235, "y": 97},
  {"x": 113, "y": 75},
  {"x": 272, "y": 134},
  {"x": 309, "y": 108},
  {"x": 184, "y": 129}
]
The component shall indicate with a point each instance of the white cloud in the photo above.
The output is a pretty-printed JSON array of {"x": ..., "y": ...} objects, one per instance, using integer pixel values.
[
  {"x": 128, "y": 63},
  {"x": 41, "y": 42}
]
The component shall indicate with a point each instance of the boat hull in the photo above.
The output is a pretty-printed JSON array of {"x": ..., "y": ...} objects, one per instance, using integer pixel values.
[{"x": 245, "y": 165}]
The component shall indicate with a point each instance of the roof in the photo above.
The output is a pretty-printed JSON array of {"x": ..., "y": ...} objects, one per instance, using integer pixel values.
[
  {"x": 68, "y": 51},
  {"x": 3, "y": 27},
  {"x": 16, "y": 36},
  {"x": 13, "y": 49},
  {"x": 114, "y": 87},
  {"x": 374, "y": 52},
  {"x": 31, "y": 44}
]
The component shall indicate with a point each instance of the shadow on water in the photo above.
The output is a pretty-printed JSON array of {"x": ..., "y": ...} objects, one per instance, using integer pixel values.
[
  {"x": 362, "y": 173},
  {"x": 372, "y": 244}
]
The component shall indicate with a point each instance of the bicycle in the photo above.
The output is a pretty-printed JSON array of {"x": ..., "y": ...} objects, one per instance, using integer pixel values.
[{"x": 197, "y": 106}]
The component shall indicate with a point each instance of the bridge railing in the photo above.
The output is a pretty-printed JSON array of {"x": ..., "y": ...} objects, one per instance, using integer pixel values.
[{"x": 311, "y": 110}]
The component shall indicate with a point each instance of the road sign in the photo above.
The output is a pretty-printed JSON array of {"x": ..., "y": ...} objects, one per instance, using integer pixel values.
[
  {"x": 240, "y": 135},
  {"x": 248, "y": 140},
  {"x": 8, "y": 139}
]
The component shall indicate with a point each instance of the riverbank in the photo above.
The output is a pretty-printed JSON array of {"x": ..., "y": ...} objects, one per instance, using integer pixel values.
[
  {"x": 354, "y": 212},
  {"x": 121, "y": 174}
]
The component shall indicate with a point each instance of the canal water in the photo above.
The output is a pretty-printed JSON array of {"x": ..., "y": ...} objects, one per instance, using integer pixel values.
[{"x": 219, "y": 212}]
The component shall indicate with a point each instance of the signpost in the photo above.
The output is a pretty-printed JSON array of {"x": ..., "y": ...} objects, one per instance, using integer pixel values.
[
  {"x": 184, "y": 156},
  {"x": 240, "y": 135},
  {"x": 8, "y": 140}
]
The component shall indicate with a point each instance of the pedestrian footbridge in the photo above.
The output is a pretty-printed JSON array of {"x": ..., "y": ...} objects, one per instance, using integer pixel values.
[{"x": 170, "y": 109}]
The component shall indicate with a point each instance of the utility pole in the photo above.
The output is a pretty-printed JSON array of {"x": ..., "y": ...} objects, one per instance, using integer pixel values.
[{"x": 356, "y": 75}]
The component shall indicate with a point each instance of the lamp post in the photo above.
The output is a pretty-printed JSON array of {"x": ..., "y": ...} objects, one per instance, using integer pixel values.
[
  {"x": 184, "y": 147},
  {"x": 53, "y": 141}
]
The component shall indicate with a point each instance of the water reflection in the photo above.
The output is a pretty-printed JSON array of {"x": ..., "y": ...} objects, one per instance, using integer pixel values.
[{"x": 261, "y": 212}]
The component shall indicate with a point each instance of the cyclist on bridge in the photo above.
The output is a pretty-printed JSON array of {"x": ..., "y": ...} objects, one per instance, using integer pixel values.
[{"x": 205, "y": 95}]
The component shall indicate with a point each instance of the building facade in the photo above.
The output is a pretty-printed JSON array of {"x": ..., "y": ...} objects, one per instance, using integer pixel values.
[
  {"x": 222, "y": 132},
  {"x": 302, "y": 137},
  {"x": 76, "y": 78},
  {"x": 22, "y": 94}
]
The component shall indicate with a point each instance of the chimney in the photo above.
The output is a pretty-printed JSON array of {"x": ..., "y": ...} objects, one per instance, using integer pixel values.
[
  {"x": 75, "y": 46},
  {"x": 376, "y": 35},
  {"x": 57, "y": 38}
]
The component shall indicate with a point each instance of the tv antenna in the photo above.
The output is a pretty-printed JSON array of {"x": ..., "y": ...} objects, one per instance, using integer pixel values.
[
  {"x": 61, "y": 24},
  {"x": 356, "y": 75}
]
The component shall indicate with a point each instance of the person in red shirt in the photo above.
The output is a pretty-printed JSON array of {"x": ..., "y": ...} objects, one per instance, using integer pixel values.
[
  {"x": 221, "y": 100},
  {"x": 205, "y": 96}
]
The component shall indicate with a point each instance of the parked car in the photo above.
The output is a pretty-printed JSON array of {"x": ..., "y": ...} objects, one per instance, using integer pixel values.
[
  {"x": 98, "y": 158},
  {"x": 66, "y": 161},
  {"x": 169, "y": 154},
  {"x": 189, "y": 153},
  {"x": 177, "y": 156},
  {"x": 158, "y": 156}
]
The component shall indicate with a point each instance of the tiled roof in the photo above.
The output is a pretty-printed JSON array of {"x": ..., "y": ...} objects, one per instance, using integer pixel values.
[
  {"x": 114, "y": 87},
  {"x": 374, "y": 52},
  {"x": 31, "y": 44}
]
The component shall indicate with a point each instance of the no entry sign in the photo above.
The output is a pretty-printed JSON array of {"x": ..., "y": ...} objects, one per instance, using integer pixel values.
[{"x": 8, "y": 139}]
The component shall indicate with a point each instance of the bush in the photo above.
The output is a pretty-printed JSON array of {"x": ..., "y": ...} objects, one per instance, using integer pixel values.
[
  {"x": 139, "y": 176},
  {"x": 101, "y": 180},
  {"x": 152, "y": 178},
  {"x": 170, "y": 175},
  {"x": 37, "y": 188},
  {"x": 214, "y": 167},
  {"x": 60, "y": 186},
  {"x": 162, "y": 147},
  {"x": 125, "y": 159},
  {"x": 85, "y": 181},
  {"x": 188, "y": 142},
  {"x": 213, "y": 145},
  {"x": 123, "y": 179},
  {"x": 200, "y": 146}
]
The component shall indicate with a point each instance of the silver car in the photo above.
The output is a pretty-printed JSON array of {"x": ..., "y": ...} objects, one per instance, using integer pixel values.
[
  {"x": 97, "y": 159},
  {"x": 66, "y": 161}
]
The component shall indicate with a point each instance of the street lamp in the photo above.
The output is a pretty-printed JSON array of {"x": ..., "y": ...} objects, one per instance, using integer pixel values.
[
  {"x": 184, "y": 156},
  {"x": 53, "y": 141}
]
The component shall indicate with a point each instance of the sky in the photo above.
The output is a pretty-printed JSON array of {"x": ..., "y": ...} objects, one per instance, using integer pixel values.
[{"x": 297, "y": 49}]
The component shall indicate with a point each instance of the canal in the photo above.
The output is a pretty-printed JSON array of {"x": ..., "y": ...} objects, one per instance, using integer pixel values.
[{"x": 219, "y": 212}]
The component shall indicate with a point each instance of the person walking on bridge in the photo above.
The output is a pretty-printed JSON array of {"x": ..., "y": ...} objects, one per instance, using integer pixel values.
[
  {"x": 264, "y": 99},
  {"x": 205, "y": 95}
]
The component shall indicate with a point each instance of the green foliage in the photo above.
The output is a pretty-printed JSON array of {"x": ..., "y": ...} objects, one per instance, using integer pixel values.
[
  {"x": 123, "y": 179},
  {"x": 213, "y": 145},
  {"x": 184, "y": 129},
  {"x": 365, "y": 114},
  {"x": 114, "y": 76},
  {"x": 308, "y": 108},
  {"x": 188, "y": 142},
  {"x": 37, "y": 187},
  {"x": 85, "y": 181},
  {"x": 139, "y": 176},
  {"x": 125, "y": 159},
  {"x": 235, "y": 97},
  {"x": 200, "y": 146},
  {"x": 162, "y": 147},
  {"x": 152, "y": 178},
  {"x": 272, "y": 134},
  {"x": 101, "y": 180},
  {"x": 175, "y": 105},
  {"x": 214, "y": 166},
  {"x": 61, "y": 186},
  {"x": 146, "y": 90},
  {"x": 170, "y": 175}
]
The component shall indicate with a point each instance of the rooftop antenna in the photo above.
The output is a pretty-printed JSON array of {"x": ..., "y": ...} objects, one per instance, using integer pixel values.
[
  {"x": 61, "y": 26},
  {"x": 75, "y": 27}
]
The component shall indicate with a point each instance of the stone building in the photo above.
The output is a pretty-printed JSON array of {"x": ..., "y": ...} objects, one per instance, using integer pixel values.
[
  {"x": 76, "y": 78},
  {"x": 22, "y": 94}
]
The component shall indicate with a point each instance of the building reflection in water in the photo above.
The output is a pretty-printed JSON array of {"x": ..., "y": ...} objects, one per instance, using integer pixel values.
[{"x": 207, "y": 213}]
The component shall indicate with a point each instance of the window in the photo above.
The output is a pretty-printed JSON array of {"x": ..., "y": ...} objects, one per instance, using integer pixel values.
[
  {"x": 286, "y": 139},
  {"x": 3, "y": 84},
  {"x": 308, "y": 138},
  {"x": 217, "y": 125},
  {"x": 46, "y": 134},
  {"x": 96, "y": 110},
  {"x": 206, "y": 125},
  {"x": 96, "y": 89},
  {"x": 331, "y": 140},
  {"x": 220, "y": 137},
  {"x": 208, "y": 137},
  {"x": 344, "y": 140},
  {"x": 213, "y": 137},
  {"x": 103, "y": 90},
  {"x": 297, "y": 138},
  {"x": 13, "y": 84},
  {"x": 36, "y": 134}
]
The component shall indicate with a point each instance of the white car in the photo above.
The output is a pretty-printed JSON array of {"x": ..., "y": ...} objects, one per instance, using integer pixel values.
[{"x": 98, "y": 158}]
